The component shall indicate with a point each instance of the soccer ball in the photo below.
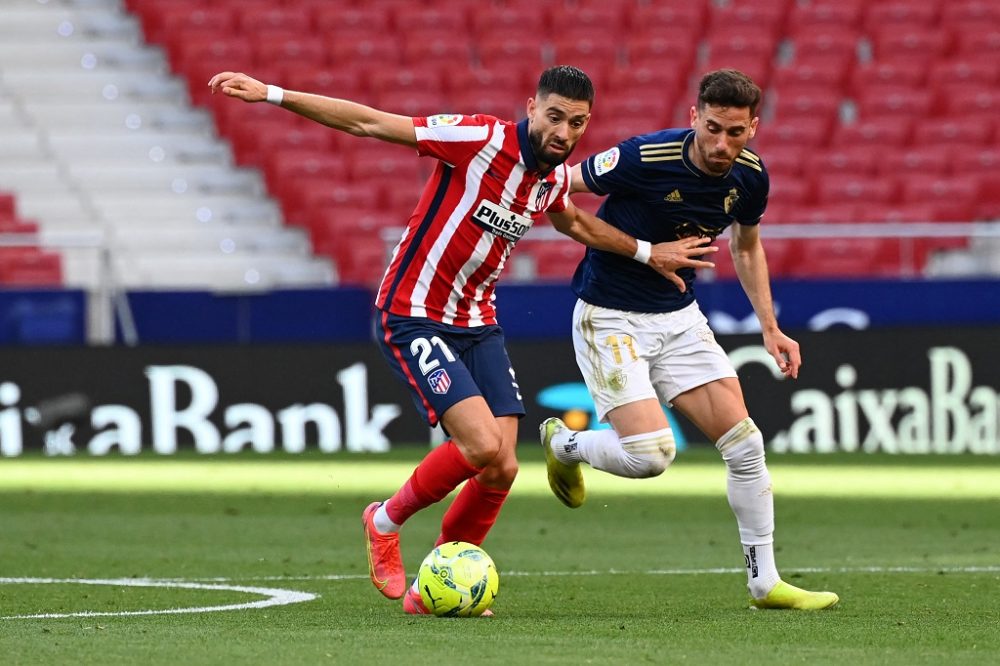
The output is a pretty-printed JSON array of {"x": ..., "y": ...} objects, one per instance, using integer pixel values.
[{"x": 458, "y": 579}]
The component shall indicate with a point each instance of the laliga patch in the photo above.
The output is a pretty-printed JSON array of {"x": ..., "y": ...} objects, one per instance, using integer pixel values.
[
  {"x": 439, "y": 381},
  {"x": 444, "y": 120},
  {"x": 606, "y": 161}
]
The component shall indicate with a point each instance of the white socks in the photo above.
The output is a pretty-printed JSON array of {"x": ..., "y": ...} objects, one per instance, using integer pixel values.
[
  {"x": 634, "y": 457},
  {"x": 382, "y": 521},
  {"x": 748, "y": 486}
]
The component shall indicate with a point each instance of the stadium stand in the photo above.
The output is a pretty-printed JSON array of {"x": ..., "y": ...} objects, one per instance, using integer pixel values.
[{"x": 107, "y": 124}]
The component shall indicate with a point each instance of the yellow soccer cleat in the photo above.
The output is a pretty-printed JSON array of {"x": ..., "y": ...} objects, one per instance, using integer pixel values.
[
  {"x": 785, "y": 596},
  {"x": 566, "y": 481}
]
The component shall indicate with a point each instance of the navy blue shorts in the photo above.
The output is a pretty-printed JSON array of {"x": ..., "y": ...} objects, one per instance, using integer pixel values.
[{"x": 444, "y": 364}]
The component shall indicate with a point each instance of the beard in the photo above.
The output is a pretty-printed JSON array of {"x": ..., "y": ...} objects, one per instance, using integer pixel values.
[{"x": 542, "y": 154}]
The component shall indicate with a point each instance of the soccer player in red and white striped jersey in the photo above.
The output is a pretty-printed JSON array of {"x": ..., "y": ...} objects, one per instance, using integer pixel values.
[{"x": 493, "y": 180}]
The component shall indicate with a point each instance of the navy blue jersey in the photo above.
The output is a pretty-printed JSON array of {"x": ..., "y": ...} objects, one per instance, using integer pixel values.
[{"x": 655, "y": 193}]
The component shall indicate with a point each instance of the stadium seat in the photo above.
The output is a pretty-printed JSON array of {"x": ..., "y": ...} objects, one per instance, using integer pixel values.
[
  {"x": 350, "y": 49},
  {"x": 910, "y": 41},
  {"x": 526, "y": 21},
  {"x": 965, "y": 70},
  {"x": 689, "y": 17},
  {"x": 290, "y": 50},
  {"x": 779, "y": 252},
  {"x": 818, "y": 16},
  {"x": 416, "y": 17},
  {"x": 332, "y": 20},
  {"x": 954, "y": 198},
  {"x": 878, "y": 101},
  {"x": 899, "y": 212},
  {"x": 651, "y": 48},
  {"x": 791, "y": 190},
  {"x": 977, "y": 39},
  {"x": 499, "y": 50},
  {"x": 804, "y": 132},
  {"x": 304, "y": 194},
  {"x": 397, "y": 79},
  {"x": 965, "y": 101},
  {"x": 555, "y": 259},
  {"x": 859, "y": 159},
  {"x": 785, "y": 161},
  {"x": 437, "y": 49},
  {"x": 490, "y": 100},
  {"x": 411, "y": 102},
  {"x": 828, "y": 42},
  {"x": 754, "y": 45},
  {"x": 811, "y": 72},
  {"x": 591, "y": 52},
  {"x": 967, "y": 12},
  {"x": 817, "y": 102},
  {"x": 850, "y": 188},
  {"x": 920, "y": 159},
  {"x": 346, "y": 82},
  {"x": 763, "y": 17},
  {"x": 502, "y": 79},
  {"x": 261, "y": 19},
  {"x": 897, "y": 72},
  {"x": 829, "y": 213},
  {"x": 396, "y": 166},
  {"x": 846, "y": 258},
  {"x": 757, "y": 68},
  {"x": 285, "y": 165},
  {"x": 360, "y": 262},
  {"x": 900, "y": 13},
  {"x": 883, "y": 130},
  {"x": 947, "y": 132},
  {"x": 30, "y": 266}
]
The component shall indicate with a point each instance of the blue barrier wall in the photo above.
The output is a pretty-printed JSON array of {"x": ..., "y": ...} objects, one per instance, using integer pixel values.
[{"x": 529, "y": 312}]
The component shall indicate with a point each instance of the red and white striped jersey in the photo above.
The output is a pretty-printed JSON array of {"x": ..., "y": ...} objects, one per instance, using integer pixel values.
[{"x": 485, "y": 193}]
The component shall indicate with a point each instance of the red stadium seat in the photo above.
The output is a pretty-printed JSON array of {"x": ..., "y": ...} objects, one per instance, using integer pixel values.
[
  {"x": 596, "y": 17},
  {"x": 901, "y": 13},
  {"x": 498, "y": 50},
  {"x": 847, "y": 258},
  {"x": 785, "y": 161},
  {"x": 928, "y": 159},
  {"x": 741, "y": 45},
  {"x": 491, "y": 101},
  {"x": 880, "y": 74},
  {"x": 286, "y": 165},
  {"x": 791, "y": 190},
  {"x": 881, "y": 130},
  {"x": 411, "y": 102},
  {"x": 757, "y": 68},
  {"x": 803, "y": 132},
  {"x": 820, "y": 102},
  {"x": 910, "y": 41},
  {"x": 779, "y": 252},
  {"x": 587, "y": 46},
  {"x": 345, "y": 82},
  {"x": 687, "y": 16},
  {"x": 646, "y": 79},
  {"x": 554, "y": 260},
  {"x": 819, "y": 71},
  {"x": 954, "y": 198},
  {"x": 526, "y": 21},
  {"x": 822, "y": 15},
  {"x": 830, "y": 213},
  {"x": 759, "y": 16},
  {"x": 652, "y": 48},
  {"x": 876, "y": 101},
  {"x": 860, "y": 160},
  {"x": 255, "y": 20},
  {"x": 290, "y": 50},
  {"x": 508, "y": 80},
  {"x": 30, "y": 266},
  {"x": 332, "y": 19},
  {"x": 305, "y": 194},
  {"x": 360, "y": 260},
  {"x": 977, "y": 39},
  {"x": 389, "y": 167},
  {"x": 982, "y": 12},
  {"x": 899, "y": 212},
  {"x": 964, "y": 70},
  {"x": 255, "y": 140},
  {"x": 368, "y": 49},
  {"x": 964, "y": 101},
  {"x": 828, "y": 42},
  {"x": 849, "y": 188},
  {"x": 956, "y": 134},
  {"x": 436, "y": 48},
  {"x": 403, "y": 79},
  {"x": 416, "y": 17}
]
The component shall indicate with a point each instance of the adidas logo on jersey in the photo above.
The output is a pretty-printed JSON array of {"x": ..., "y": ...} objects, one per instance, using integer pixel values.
[{"x": 674, "y": 197}]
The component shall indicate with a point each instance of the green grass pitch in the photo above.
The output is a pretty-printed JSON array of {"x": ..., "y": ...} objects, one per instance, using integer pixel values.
[{"x": 116, "y": 556}]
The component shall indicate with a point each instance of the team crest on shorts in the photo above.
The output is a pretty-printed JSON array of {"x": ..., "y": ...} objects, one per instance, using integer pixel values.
[
  {"x": 444, "y": 120},
  {"x": 606, "y": 161},
  {"x": 439, "y": 381}
]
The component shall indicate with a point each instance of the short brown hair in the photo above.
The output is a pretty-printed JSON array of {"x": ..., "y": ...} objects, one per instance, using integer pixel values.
[{"x": 728, "y": 87}]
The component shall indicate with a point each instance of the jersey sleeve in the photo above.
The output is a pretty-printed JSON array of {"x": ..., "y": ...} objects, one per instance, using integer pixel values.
[
  {"x": 614, "y": 170},
  {"x": 451, "y": 138},
  {"x": 561, "y": 199},
  {"x": 757, "y": 200}
]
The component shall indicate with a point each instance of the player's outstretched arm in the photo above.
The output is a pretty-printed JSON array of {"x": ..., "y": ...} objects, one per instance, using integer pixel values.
[
  {"x": 665, "y": 258},
  {"x": 341, "y": 114},
  {"x": 751, "y": 268}
]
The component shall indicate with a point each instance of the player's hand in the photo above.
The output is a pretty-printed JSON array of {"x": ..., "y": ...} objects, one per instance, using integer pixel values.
[
  {"x": 785, "y": 352},
  {"x": 236, "y": 84},
  {"x": 667, "y": 258}
]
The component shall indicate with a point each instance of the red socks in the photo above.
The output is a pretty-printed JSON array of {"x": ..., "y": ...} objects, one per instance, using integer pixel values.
[
  {"x": 472, "y": 514},
  {"x": 438, "y": 474}
]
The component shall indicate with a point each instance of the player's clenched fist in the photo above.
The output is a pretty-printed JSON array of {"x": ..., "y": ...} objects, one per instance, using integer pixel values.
[{"x": 236, "y": 84}]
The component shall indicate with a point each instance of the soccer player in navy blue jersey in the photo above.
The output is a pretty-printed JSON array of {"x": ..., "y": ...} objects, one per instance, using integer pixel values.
[{"x": 640, "y": 338}]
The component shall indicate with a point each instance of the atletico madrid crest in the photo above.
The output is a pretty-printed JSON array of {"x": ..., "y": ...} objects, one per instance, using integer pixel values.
[{"x": 439, "y": 381}]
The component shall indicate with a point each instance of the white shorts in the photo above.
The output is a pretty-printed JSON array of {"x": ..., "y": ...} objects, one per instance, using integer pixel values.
[{"x": 630, "y": 356}]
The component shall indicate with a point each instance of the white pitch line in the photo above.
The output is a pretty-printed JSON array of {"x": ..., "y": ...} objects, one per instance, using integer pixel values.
[
  {"x": 275, "y": 596},
  {"x": 649, "y": 572}
]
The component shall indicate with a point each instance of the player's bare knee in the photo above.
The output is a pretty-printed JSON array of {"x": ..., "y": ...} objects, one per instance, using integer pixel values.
[{"x": 501, "y": 472}]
